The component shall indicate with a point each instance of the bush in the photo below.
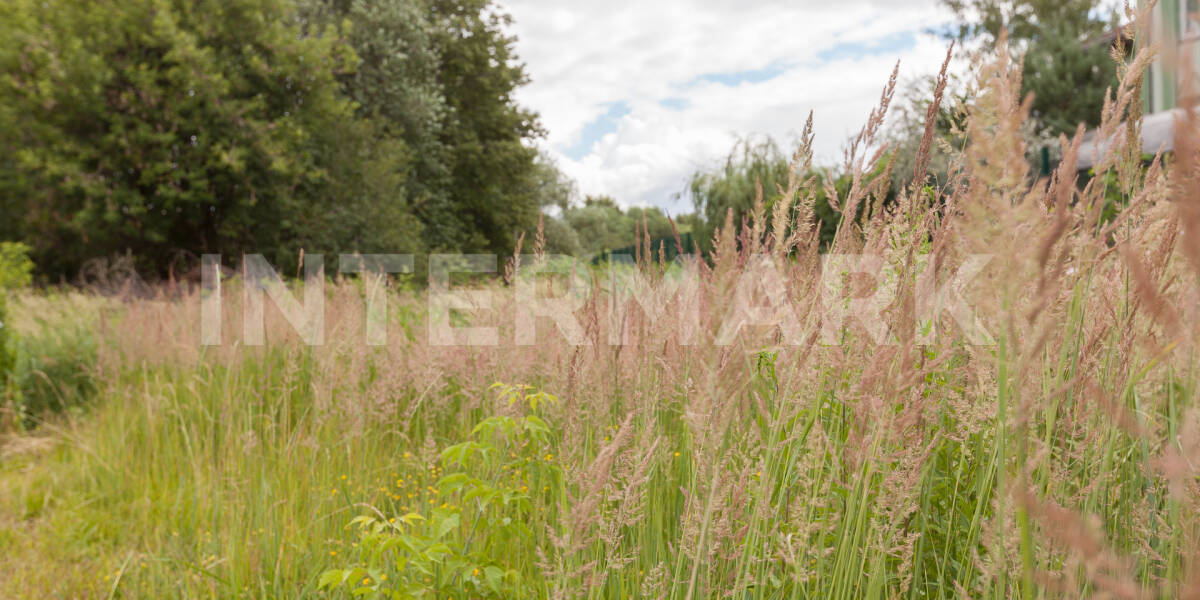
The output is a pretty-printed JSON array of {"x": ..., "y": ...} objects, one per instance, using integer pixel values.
[
  {"x": 488, "y": 498},
  {"x": 16, "y": 270}
]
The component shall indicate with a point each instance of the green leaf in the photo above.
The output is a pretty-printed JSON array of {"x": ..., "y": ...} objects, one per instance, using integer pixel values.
[
  {"x": 331, "y": 579},
  {"x": 495, "y": 579},
  {"x": 445, "y": 525},
  {"x": 437, "y": 551},
  {"x": 363, "y": 521},
  {"x": 452, "y": 482}
]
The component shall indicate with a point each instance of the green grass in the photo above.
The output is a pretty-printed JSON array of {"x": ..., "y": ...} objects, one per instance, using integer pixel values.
[
  {"x": 231, "y": 481},
  {"x": 1060, "y": 461}
]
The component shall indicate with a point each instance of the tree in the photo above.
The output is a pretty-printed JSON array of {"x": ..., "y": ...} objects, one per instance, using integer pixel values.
[
  {"x": 157, "y": 126},
  {"x": 1067, "y": 68},
  {"x": 1023, "y": 20},
  {"x": 437, "y": 77},
  {"x": 1068, "y": 78},
  {"x": 733, "y": 187},
  {"x": 490, "y": 198},
  {"x": 601, "y": 224},
  {"x": 550, "y": 186},
  {"x": 395, "y": 86},
  {"x": 170, "y": 127},
  {"x": 561, "y": 238}
]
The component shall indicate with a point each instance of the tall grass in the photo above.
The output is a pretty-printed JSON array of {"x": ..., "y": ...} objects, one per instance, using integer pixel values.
[{"x": 1059, "y": 461}]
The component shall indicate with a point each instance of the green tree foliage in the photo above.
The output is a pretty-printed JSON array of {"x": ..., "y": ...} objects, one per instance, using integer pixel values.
[
  {"x": 1023, "y": 20},
  {"x": 561, "y": 238},
  {"x": 163, "y": 127},
  {"x": 395, "y": 88},
  {"x": 491, "y": 166},
  {"x": 1068, "y": 78},
  {"x": 732, "y": 187},
  {"x": 550, "y": 186},
  {"x": 16, "y": 269},
  {"x": 436, "y": 78},
  {"x": 1067, "y": 65},
  {"x": 15, "y": 272},
  {"x": 602, "y": 225},
  {"x": 154, "y": 126}
]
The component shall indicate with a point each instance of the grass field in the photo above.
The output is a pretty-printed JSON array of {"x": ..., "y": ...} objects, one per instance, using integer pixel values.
[{"x": 1058, "y": 459}]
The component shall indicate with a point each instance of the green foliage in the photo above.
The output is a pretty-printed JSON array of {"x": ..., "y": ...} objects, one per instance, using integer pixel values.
[
  {"x": 463, "y": 546},
  {"x": 561, "y": 238},
  {"x": 733, "y": 188},
  {"x": 1068, "y": 79},
  {"x": 602, "y": 225},
  {"x": 162, "y": 127},
  {"x": 16, "y": 269},
  {"x": 7, "y": 357},
  {"x": 1067, "y": 68},
  {"x": 15, "y": 272},
  {"x": 158, "y": 126},
  {"x": 1023, "y": 20},
  {"x": 491, "y": 197}
]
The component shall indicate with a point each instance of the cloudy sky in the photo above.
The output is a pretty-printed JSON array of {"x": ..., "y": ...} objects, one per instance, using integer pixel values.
[{"x": 637, "y": 95}]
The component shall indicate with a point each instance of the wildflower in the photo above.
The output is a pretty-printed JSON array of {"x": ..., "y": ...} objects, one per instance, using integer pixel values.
[
  {"x": 333, "y": 552},
  {"x": 676, "y": 455}
]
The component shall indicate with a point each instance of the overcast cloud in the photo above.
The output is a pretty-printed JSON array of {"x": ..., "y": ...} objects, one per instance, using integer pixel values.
[{"x": 638, "y": 95}]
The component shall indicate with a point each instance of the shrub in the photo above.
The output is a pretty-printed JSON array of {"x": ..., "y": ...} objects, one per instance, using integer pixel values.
[
  {"x": 487, "y": 501},
  {"x": 16, "y": 270}
]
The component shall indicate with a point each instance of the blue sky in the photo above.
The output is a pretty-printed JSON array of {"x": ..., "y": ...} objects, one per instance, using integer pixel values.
[{"x": 638, "y": 95}]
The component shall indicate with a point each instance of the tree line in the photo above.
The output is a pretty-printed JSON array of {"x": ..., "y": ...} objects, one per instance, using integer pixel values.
[
  {"x": 166, "y": 129},
  {"x": 171, "y": 128}
]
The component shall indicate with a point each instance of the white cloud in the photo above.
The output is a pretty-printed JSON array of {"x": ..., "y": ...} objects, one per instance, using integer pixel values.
[{"x": 585, "y": 57}]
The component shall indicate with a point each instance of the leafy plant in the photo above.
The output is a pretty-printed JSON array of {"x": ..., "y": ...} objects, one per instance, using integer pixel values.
[
  {"x": 16, "y": 269},
  {"x": 463, "y": 544}
]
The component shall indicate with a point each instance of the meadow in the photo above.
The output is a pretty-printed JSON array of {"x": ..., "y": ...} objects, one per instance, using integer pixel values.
[{"x": 1059, "y": 458}]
